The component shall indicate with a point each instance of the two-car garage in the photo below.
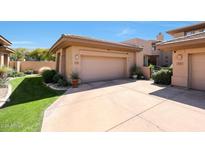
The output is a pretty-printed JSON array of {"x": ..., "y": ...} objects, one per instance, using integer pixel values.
[
  {"x": 97, "y": 68},
  {"x": 92, "y": 59}
]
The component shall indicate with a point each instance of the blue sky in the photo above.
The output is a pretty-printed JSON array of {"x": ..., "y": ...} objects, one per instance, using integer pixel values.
[{"x": 44, "y": 34}]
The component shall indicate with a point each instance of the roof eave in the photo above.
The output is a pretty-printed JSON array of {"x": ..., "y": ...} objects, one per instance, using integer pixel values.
[
  {"x": 7, "y": 42},
  {"x": 194, "y": 43},
  {"x": 187, "y": 28},
  {"x": 72, "y": 41}
]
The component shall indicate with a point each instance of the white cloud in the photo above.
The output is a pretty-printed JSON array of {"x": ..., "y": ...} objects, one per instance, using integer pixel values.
[{"x": 126, "y": 31}]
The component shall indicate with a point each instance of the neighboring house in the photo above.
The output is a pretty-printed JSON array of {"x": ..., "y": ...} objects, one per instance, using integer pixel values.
[
  {"x": 5, "y": 51},
  {"x": 150, "y": 54},
  {"x": 188, "y": 48},
  {"x": 93, "y": 59}
]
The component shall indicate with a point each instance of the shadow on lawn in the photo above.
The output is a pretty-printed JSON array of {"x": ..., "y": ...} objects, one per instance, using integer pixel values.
[{"x": 31, "y": 89}]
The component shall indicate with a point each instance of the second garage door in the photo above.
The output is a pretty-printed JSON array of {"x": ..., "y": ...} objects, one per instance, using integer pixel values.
[
  {"x": 95, "y": 68},
  {"x": 197, "y": 71}
]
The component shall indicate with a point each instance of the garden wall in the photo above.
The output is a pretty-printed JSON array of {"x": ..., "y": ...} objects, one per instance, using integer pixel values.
[
  {"x": 146, "y": 72},
  {"x": 36, "y": 66}
]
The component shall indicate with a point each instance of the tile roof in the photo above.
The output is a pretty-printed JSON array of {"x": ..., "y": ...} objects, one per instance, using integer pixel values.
[{"x": 69, "y": 39}]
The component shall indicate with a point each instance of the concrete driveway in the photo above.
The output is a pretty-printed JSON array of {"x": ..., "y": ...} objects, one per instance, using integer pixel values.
[{"x": 126, "y": 105}]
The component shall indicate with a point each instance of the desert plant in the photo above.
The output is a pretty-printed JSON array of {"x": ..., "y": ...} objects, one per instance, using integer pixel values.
[
  {"x": 4, "y": 71},
  {"x": 162, "y": 77},
  {"x": 48, "y": 75},
  {"x": 74, "y": 76},
  {"x": 14, "y": 73},
  {"x": 62, "y": 82},
  {"x": 57, "y": 77},
  {"x": 135, "y": 70},
  {"x": 3, "y": 82}
]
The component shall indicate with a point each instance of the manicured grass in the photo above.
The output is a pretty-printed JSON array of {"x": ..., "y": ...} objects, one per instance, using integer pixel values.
[{"x": 28, "y": 101}]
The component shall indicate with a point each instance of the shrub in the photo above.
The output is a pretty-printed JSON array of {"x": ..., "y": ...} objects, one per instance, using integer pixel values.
[
  {"x": 62, "y": 83},
  {"x": 48, "y": 75},
  {"x": 3, "y": 82},
  {"x": 29, "y": 71},
  {"x": 74, "y": 76},
  {"x": 162, "y": 77},
  {"x": 135, "y": 70},
  {"x": 19, "y": 74},
  {"x": 14, "y": 73},
  {"x": 4, "y": 71},
  {"x": 57, "y": 77}
]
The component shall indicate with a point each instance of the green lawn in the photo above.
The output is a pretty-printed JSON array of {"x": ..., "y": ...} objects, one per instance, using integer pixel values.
[{"x": 28, "y": 101}]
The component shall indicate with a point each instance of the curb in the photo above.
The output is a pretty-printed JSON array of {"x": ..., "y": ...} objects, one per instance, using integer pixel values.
[{"x": 6, "y": 98}]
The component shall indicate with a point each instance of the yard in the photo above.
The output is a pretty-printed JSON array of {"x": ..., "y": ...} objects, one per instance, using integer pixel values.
[{"x": 28, "y": 101}]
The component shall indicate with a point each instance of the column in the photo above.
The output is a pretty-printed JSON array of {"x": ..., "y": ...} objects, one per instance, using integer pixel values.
[
  {"x": 8, "y": 60},
  {"x": 1, "y": 59},
  {"x": 63, "y": 62}
]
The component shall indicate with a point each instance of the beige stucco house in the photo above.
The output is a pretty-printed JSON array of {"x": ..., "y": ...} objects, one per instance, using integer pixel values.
[
  {"x": 93, "y": 59},
  {"x": 150, "y": 54},
  {"x": 188, "y": 48},
  {"x": 5, "y": 51}
]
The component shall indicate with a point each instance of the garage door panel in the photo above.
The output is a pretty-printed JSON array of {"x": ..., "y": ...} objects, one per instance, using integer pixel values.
[
  {"x": 94, "y": 68},
  {"x": 198, "y": 71}
]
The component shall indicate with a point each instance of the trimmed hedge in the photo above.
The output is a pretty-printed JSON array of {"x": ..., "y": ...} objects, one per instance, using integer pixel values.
[
  {"x": 162, "y": 76},
  {"x": 48, "y": 75},
  {"x": 57, "y": 77}
]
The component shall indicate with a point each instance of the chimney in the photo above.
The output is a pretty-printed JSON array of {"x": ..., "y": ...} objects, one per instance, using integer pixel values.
[{"x": 160, "y": 37}]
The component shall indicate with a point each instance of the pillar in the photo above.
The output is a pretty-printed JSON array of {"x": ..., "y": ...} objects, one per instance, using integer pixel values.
[{"x": 1, "y": 59}]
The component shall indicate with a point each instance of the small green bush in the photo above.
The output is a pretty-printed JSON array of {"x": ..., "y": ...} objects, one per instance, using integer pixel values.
[
  {"x": 4, "y": 71},
  {"x": 163, "y": 76},
  {"x": 3, "y": 82},
  {"x": 29, "y": 71},
  {"x": 57, "y": 77},
  {"x": 62, "y": 83},
  {"x": 74, "y": 76},
  {"x": 48, "y": 75},
  {"x": 14, "y": 74},
  {"x": 135, "y": 70}
]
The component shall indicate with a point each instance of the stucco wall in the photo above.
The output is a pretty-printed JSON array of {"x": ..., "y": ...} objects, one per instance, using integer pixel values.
[
  {"x": 74, "y": 53},
  {"x": 140, "y": 59},
  {"x": 181, "y": 66},
  {"x": 165, "y": 58},
  {"x": 146, "y": 72},
  {"x": 69, "y": 62},
  {"x": 60, "y": 66},
  {"x": 36, "y": 66}
]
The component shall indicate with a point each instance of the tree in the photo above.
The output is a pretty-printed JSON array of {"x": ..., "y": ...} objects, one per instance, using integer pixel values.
[
  {"x": 20, "y": 54},
  {"x": 41, "y": 54},
  {"x": 38, "y": 54}
]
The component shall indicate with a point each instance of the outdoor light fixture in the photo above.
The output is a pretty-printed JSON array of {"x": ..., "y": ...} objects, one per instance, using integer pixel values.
[{"x": 76, "y": 57}]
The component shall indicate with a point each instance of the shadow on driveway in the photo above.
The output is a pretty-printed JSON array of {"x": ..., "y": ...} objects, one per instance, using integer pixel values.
[
  {"x": 99, "y": 84},
  {"x": 189, "y": 97}
]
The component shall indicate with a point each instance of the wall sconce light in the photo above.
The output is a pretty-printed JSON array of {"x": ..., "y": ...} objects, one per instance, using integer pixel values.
[{"x": 76, "y": 57}]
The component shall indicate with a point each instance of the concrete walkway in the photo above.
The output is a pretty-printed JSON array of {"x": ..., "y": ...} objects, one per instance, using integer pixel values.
[{"x": 126, "y": 105}]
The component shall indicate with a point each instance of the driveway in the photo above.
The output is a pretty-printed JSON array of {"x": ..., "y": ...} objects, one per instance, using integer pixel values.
[{"x": 126, "y": 105}]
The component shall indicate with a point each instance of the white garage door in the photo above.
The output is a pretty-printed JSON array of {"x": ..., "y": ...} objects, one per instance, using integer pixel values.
[
  {"x": 197, "y": 72},
  {"x": 102, "y": 68}
]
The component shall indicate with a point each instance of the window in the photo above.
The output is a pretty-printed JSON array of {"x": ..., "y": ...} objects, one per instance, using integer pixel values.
[{"x": 154, "y": 47}]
